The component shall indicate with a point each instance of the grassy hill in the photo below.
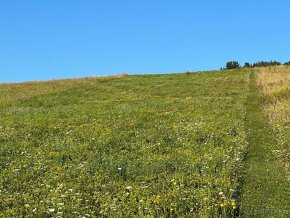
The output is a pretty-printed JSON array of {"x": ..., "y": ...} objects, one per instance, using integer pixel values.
[{"x": 175, "y": 145}]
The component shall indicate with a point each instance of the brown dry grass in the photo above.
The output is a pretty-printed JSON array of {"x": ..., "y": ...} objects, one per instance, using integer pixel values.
[
  {"x": 272, "y": 79},
  {"x": 275, "y": 85}
]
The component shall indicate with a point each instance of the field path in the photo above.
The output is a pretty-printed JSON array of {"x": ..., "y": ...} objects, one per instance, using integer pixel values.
[{"x": 266, "y": 190}]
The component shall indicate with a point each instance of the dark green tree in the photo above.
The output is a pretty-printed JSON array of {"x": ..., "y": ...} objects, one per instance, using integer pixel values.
[
  {"x": 233, "y": 65},
  {"x": 247, "y": 65},
  {"x": 266, "y": 63}
]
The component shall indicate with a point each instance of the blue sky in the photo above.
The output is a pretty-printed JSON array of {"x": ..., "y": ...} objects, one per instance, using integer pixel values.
[{"x": 51, "y": 39}]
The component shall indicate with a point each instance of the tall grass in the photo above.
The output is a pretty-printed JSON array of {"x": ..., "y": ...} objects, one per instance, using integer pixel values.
[{"x": 275, "y": 85}]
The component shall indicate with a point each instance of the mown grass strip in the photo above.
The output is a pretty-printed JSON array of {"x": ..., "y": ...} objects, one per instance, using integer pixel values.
[{"x": 265, "y": 189}]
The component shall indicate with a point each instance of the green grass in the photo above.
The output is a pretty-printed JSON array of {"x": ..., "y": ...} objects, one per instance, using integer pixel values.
[
  {"x": 153, "y": 145},
  {"x": 266, "y": 189},
  {"x": 138, "y": 146}
]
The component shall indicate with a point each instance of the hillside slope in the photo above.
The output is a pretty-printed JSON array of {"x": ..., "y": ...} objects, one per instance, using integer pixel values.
[{"x": 147, "y": 146}]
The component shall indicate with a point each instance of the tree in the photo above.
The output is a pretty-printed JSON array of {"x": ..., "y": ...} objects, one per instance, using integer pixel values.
[
  {"x": 233, "y": 65},
  {"x": 247, "y": 65},
  {"x": 287, "y": 63},
  {"x": 266, "y": 63}
]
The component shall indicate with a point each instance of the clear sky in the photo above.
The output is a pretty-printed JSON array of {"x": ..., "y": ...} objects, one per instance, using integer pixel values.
[{"x": 49, "y": 39}]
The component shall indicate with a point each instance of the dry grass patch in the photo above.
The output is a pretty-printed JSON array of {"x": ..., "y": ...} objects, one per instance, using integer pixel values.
[
  {"x": 22, "y": 91},
  {"x": 275, "y": 85}
]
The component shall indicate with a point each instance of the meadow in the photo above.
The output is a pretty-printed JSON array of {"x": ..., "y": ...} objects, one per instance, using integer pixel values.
[
  {"x": 275, "y": 85},
  {"x": 169, "y": 145}
]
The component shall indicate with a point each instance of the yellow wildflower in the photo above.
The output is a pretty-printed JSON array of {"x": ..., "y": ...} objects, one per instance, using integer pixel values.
[{"x": 233, "y": 203}]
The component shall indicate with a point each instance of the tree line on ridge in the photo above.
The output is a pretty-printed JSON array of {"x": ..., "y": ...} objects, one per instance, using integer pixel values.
[{"x": 236, "y": 65}]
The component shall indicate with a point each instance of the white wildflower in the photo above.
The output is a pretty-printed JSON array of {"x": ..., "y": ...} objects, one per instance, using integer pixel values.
[{"x": 51, "y": 210}]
